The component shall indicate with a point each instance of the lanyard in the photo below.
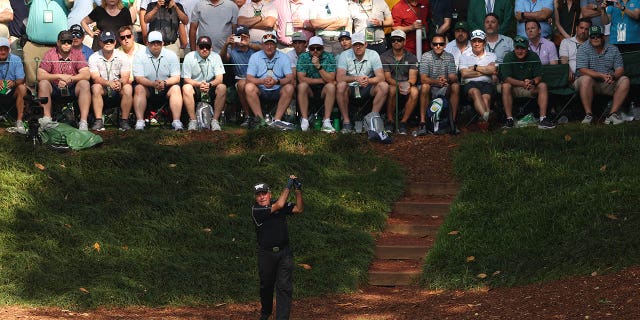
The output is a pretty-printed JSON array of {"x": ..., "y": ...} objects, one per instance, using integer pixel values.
[
  {"x": 157, "y": 68},
  {"x": 413, "y": 10},
  {"x": 270, "y": 63},
  {"x": 108, "y": 67},
  {"x": 365, "y": 10},
  {"x": 493, "y": 50},
  {"x": 532, "y": 5},
  {"x": 6, "y": 70},
  {"x": 355, "y": 66},
  {"x": 204, "y": 72}
]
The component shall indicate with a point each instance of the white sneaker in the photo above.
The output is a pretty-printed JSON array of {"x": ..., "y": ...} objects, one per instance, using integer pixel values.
[
  {"x": 20, "y": 127},
  {"x": 45, "y": 121},
  {"x": 215, "y": 125},
  {"x": 327, "y": 127},
  {"x": 193, "y": 125},
  {"x": 304, "y": 124},
  {"x": 177, "y": 125},
  {"x": 139, "y": 125},
  {"x": 587, "y": 119},
  {"x": 83, "y": 125}
]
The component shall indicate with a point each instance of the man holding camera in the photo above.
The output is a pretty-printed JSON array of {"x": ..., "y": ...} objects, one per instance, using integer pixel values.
[
  {"x": 275, "y": 258},
  {"x": 12, "y": 81},
  {"x": 165, "y": 16}
]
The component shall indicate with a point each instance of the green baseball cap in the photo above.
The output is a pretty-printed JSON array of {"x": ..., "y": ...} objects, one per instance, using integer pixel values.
[
  {"x": 521, "y": 42},
  {"x": 461, "y": 25},
  {"x": 595, "y": 30}
]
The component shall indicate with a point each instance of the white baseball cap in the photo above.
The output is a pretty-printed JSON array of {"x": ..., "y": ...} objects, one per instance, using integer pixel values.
[
  {"x": 154, "y": 36},
  {"x": 398, "y": 33},
  {"x": 316, "y": 41},
  {"x": 358, "y": 38},
  {"x": 478, "y": 34}
]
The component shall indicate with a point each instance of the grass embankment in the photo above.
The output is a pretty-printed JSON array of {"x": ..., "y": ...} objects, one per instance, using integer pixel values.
[
  {"x": 157, "y": 218},
  {"x": 541, "y": 205}
]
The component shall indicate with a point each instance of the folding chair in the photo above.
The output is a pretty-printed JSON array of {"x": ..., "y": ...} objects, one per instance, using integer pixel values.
[
  {"x": 632, "y": 66},
  {"x": 556, "y": 76}
]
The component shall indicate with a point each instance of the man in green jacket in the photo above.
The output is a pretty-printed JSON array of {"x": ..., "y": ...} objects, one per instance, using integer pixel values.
[{"x": 478, "y": 9}]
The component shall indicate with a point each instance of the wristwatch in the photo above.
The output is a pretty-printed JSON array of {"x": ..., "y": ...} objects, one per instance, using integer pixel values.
[
  {"x": 475, "y": 67},
  {"x": 623, "y": 8}
]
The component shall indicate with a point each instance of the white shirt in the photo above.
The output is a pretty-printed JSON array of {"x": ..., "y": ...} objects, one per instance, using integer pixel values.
[
  {"x": 453, "y": 49},
  {"x": 569, "y": 49},
  {"x": 470, "y": 59}
]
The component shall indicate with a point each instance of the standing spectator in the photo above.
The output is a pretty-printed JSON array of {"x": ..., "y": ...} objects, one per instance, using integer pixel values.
[
  {"x": 401, "y": 73},
  {"x": 503, "y": 10},
  {"x": 166, "y": 16},
  {"x": 316, "y": 78},
  {"x": 64, "y": 73},
  {"x": 534, "y": 10},
  {"x": 110, "y": 16},
  {"x": 79, "y": 10},
  {"x": 259, "y": 16},
  {"x": 156, "y": 71},
  {"x": 371, "y": 17},
  {"x": 544, "y": 48},
  {"x": 185, "y": 43},
  {"x": 624, "y": 16},
  {"x": 461, "y": 44},
  {"x": 441, "y": 17},
  {"x": 497, "y": 44},
  {"x": 566, "y": 16},
  {"x": 214, "y": 18},
  {"x": 293, "y": 17},
  {"x": 409, "y": 16},
  {"x": 591, "y": 9},
  {"x": 601, "y": 71},
  {"x": 12, "y": 88},
  {"x": 110, "y": 71},
  {"x": 17, "y": 26},
  {"x": 6, "y": 16},
  {"x": 202, "y": 72},
  {"x": 78, "y": 37},
  {"x": 522, "y": 78},
  {"x": 360, "y": 70},
  {"x": 477, "y": 69},
  {"x": 569, "y": 47},
  {"x": 328, "y": 18}
]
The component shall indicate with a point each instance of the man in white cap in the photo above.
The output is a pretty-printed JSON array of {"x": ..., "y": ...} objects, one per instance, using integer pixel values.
[
  {"x": 359, "y": 71},
  {"x": 477, "y": 69},
  {"x": 401, "y": 73},
  {"x": 110, "y": 71},
  {"x": 202, "y": 72},
  {"x": 12, "y": 85},
  {"x": 269, "y": 76},
  {"x": 156, "y": 71},
  {"x": 316, "y": 78}
]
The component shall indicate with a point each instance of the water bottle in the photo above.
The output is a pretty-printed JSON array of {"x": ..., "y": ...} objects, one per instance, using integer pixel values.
[{"x": 223, "y": 119}]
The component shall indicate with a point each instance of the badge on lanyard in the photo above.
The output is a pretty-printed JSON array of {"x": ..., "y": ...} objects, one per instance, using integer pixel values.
[
  {"x": 288, "y": 29},
  {"x": 369, "y": 34},
  {"x": 622, "y": 32},
  {"x": 47, "y": 16}
]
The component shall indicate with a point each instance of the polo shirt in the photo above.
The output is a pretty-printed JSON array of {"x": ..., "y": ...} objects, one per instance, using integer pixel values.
[
  {"x": 606, "y": 62},
  {"x": 136, "y": 48},
  {"x": 46, "y": 32},
  {"x": 86, "y": 52},
  {"x": 500, "y": 47},
  {"x": 545, "y": 49},
  {"x": 163, "y": 67},
  {"x": 619, "y": 20},
  {"x": 200, "y": 69},
  {"x": 53, "y": 63},
  {"x": 470, "y": 59},
  {"x": 260, "y": 66},
  {"x": 109, "y": 69},
  {"x": 240, "y": 60},
  {"x": 215, "y": 21},
  {"x": 361, "y": 13},
  {"x": 405, "y": 15},
  {"x": 434, "y": 66},
  {"x": 365, "y": 67},
  {"x": 293, "y": 57},
  {"x": 329, "y": 9},
  {"x": 531, "y": 6},
  {"x": 292, "y": 10},
  {"x": 515, "y": 68},
  {"x": 569, "y": 48},
  {"x": 327, "y": 61},
  {"x": 399, "y": 69},
  {"x": 262, "y": 8},
  {"x": 452, "y": 48},
  {"x": 11, "y": 69}
]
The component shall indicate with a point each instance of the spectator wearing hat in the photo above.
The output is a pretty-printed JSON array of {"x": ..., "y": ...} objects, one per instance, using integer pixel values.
[
  {"x": 316, "y": 71},
  {"x": 477, "y": 69},
  {"x": 345, "y": 42},
  {"x": 214, "y": 18},
  {"x": 359, "y": 69},
  {"x": 401, "y": 73},
  {"x": 461, "y": 44},
  {"x": 624, "y": 16},
  {"x": 168, "y": 18},
  {"x": 12, "y": 86},
  {"x": 545, "y": 49},
  {"x": 109, "y": 16},
  {"x": 409, "y": 16},
  {"x": 371, "y": 17},
  {"x": 521, "y": 75},
  {"x": 111, "y": 73},
  {"x": 600, "y": 70},
  {"x": 269, "y": 76},
  {"x": 156, "y": 71},
  {"x": 329, "y": 18},
  {"x": 299, "y": 47},
  {"x": 78, "y": 37},
  {"x": 497, "y": 44},
  {"x": 64, "y": 73},
  {"x": 293, "y": 17},
  {"x": 79, "y": 10},
  {"x": 502, "y": 9},
  {"x": 259, "y": 16},
  {"x": 533, "y": 10},
  {"x": 203, "y": 72}
]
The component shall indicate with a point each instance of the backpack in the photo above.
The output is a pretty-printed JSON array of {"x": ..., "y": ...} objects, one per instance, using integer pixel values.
[
  {"x": 440, "y": 117},
  {"x": 374, "y": 126},
  {"x": 204, "y": 114}
]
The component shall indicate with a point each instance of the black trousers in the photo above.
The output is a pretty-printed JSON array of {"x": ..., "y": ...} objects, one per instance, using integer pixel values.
[{"x": 276, "y": 271}]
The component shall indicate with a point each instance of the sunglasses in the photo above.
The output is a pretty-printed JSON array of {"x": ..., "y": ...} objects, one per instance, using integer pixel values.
[
  {"x": 595, "y": 36},
  {"x": 316, "y": 48},
  {"x": 438, "y": 44},
  {"x": 109, "y": 41},
  {"x": 126, "y": 36},
  {"x": 393, "y": 40},
  {"x": 77, "y": 35},
  {"x": 268, "y": 36},
  {"x": 66, "y": 41},
  {"x": 204, "y": 47}
]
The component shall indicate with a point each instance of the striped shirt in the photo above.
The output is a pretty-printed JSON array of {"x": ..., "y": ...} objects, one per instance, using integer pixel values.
[
  {"x": 434, "y": 66},
  {"x": 607, "y": 62}
]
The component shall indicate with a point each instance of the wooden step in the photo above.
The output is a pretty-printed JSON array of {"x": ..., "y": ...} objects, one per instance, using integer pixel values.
[
  {"x": 400, "y": 252},
  {"x": 414, "y": 230},
  {"x": 430, "y": 188},
  {"x": 419, "y": 207},
  {"x": 391, "y": 278}
]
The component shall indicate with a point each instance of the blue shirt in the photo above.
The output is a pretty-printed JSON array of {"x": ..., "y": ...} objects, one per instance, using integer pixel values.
[
  {"x": 528, "y": 6},
  {"x": 260, "y": 66},
  {"x": 199, "y": 69},
  {"x": 620, "y": 21},
  {"x": 86, "y": 52},
  {"x": 164, "y": 67},
  {"x": 607, "y": 62},
  {"x": 12, "y": 69},
  {"x": 240, "y": 60},
  {"x": 365, "y": 67}
]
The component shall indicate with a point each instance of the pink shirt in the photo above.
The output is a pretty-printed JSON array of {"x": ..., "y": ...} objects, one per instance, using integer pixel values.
[
  {"x": 53, "y": 63},
  {"x": 292, "y": 10}
]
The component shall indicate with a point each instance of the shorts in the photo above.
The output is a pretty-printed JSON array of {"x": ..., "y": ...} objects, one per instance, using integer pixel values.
[
  {"x": 517, "y": 92},
  {"x": 197, "y": 94},
  {"x": 364, "y": 92},
  {"x": 57, "y": 92},
  {"x": 270, "y": 95},
  {"x": 600, "y": 87},
  {"x": 439, "y": 92},
  {"x": 483, "y": 86}
]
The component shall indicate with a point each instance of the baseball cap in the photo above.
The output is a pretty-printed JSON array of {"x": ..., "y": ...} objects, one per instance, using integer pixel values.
[
  {"x": 4, "y": 42},
  {"x": 521, "y": 42},
  {"x": 240, "y": 30},
  {"x": 269, "y": 36},
  {"x": 298, "y": 36},
  {"x": 316, "y": 41},
  {"x": 595, "y": 30},
  {"x": 154, "y": 36},
  {"x": 399, "y": 34},
  {"x": 358, "y": 38},
  {"x": 76, "y": 29},
  {"x": 261, "y": 187},
  {"x": 478, "y": 34},
  {"x": 461, "y": 25},
  {"x": 344, "y": 34},
  {"x": 205, "y": 40},
  {"x": 107, "y": 35},
  {"x": 65, "y": 35}
]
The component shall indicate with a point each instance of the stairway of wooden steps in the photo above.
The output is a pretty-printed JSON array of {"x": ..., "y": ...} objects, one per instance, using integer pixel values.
[{"x": 410, "y": 232}]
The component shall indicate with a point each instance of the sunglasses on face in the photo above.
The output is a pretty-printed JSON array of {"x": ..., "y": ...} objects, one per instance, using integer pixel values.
[
  {"x": 155, "y": 43},
  {"x": 66, "y": 41},
  {"x": 316, "y": 48},
  {"x": 393, "y": 40},
  {"x": 204, "y": 47},
  {"x": 109, "y": 41},
  {"x": 595, "y": 36},
  {"x": 77, "y": 35},
  {"x": 268, "y": 36},
  {"x": 437, "y": 44},
  {"x": 126, "y": 36}
]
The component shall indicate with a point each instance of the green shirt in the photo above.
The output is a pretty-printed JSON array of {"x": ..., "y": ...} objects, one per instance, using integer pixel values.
[
  {"x": 528, "y": 69},
  {"x": 327, "y": 61}
]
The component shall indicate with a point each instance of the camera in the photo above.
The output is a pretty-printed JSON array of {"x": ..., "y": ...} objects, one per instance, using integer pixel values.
[
  {"x": 237, "y": 39},
  {"x": 33, "y": 111},
  {"x": 610, "y": 3}
]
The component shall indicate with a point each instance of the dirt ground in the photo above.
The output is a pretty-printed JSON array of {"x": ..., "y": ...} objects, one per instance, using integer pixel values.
[{"x": 609, "y": 296}]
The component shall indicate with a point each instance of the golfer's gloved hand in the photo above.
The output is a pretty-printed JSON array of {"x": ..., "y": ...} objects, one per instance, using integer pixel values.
[
  {"x": 290, "y": 183},
  {"x": 297, "y": 184}
]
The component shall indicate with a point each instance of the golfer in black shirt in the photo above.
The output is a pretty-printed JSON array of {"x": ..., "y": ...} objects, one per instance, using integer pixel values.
[{"x": 275, "y": 259}]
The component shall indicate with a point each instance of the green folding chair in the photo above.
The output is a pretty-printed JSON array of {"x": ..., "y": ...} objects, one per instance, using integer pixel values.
[
  {"x": 632, "y": 66},
  {"x": 556, "y": 76}
]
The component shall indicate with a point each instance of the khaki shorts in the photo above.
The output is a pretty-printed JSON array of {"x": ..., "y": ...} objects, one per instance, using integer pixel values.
[
  {"x": 31, "y": 51},
  {"x": 600, "y": 87},
  {"x": 517, "y": 92}
]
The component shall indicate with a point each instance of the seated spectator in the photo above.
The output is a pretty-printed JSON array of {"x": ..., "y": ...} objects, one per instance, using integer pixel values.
[
  {"x": 78, "y": 37},
  {"x": 259, "y": 16},
  {"x": 477, "y": 69},
  {"x": 316, "y": 78},
  {"x": 345, "y": 42},
  {"x": 64, "y": 73},
  {"x": 129, "y": 46},
  {"x": 401, "y": 72},
  {"x": 522, "y": 78},
  {"x": 202, "y": 72},
  {"x": 461, "y": 44},
  {"x": 12, "y": 87},
  {"x": 269, "y": 77},
  {"x": 497, "y": 44},
  {"x": 544, "y": 48},
  {"x": 156, "y": 71},
  {"x": 569, "y": 47},
  {"x": 439, "y": 78},
  {"x": 110, "y": 71},
  {"x": 601, "y": 71},
  {"x": 299, "y": 47},
  {"x": 359, "y": 73}
]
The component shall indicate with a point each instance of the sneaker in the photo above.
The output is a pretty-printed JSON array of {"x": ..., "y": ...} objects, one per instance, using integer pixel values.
[
  {"x": 546, "y": 124},
  {"x": 614, "y": 119},
  {"x": 282, "y": 125},
  {"x": 626, "y": 116},
  {"x": 98, "y": 125},
  {"x": 346, "y": 128},
  {"x": 246, "y": 122},
  {"x": 193, "y": 125},
  {"x": 422, "y": 130},
  {"x": 20, "y": 128},
  {"x": 509, "y": 123},
  {"x": 402, "y": 128},
  {"x": 177, "y": 125},
  {"x": 587, "y": 119},
  {"x": 124, "y": 125},
  {"x": 485, "y": 116},
  {"x": 304, "y": 124},
  {"x": 388, "y": 126},
  {"x": 327, "y": 127},
  {"x": 215, "y": 125},
  {"x": 526, "y": 121},
  {"x": 83, "y": 125},
  {"x": 44, "y": 121},
  {"x": 139, "y": 125}
]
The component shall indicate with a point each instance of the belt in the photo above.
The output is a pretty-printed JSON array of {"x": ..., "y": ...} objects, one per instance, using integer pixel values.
[
  {"x": 376, "y": 42},
  {"x": 330, "y": 38}
]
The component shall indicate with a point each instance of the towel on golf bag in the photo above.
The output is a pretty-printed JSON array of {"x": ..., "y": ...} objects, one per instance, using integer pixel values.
[
  {"x": 62, "y": 134},
  {"x": 375, "y": 128}
]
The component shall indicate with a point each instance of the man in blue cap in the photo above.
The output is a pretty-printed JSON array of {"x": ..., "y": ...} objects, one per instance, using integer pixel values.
[{"x": 12, "y": 82}]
